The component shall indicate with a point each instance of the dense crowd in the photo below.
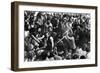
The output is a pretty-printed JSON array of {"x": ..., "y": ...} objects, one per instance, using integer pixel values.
[{"x": 56, "y": 36}]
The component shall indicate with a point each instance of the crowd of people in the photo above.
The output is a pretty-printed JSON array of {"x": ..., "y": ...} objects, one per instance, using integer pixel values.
[{"x": 56, "y": 36}]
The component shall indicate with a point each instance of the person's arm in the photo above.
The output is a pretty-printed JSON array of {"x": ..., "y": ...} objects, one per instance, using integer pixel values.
[
  {"x": 40, "y": 38},
  {"x": 70, "y": 37},
  {"x": 52, "y": 41},
  {"x": 35, "y": 38}
]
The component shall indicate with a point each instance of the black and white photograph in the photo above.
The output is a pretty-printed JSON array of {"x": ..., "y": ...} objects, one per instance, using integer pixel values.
[
  {"x": 52, "y": 36},
  {"x": 56, "y": 36}
]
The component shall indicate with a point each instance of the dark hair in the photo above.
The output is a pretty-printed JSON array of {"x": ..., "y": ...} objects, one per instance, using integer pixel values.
[{"x": 82, "y": 57}]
